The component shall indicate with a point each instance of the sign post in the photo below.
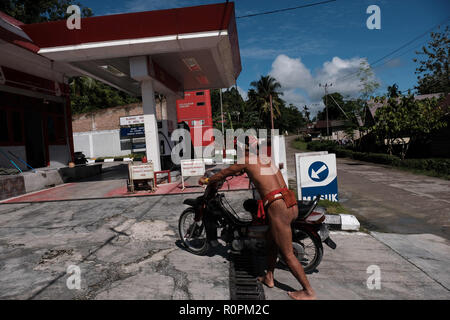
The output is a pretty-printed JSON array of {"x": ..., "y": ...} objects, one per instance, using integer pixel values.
[
  {"x": 191, "y": 168},
  {"x": 316, "y": 174},
  {"x": 279, "y": 156}
]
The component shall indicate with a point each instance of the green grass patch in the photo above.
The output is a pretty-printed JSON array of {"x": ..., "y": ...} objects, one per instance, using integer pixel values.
[
  {"x": 299, "y": 144},
  {"x": 333, "y": 207}
]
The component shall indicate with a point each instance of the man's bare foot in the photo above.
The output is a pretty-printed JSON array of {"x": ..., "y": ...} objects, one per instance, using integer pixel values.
[
  {"x": 267, "y": 280},
  {"x": 302, "y": 295}
]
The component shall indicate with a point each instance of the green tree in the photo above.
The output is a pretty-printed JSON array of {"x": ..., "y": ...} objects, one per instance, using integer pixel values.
[
  {"x": 88, "y": 95},
  {"x": 266, "y": 90},
  {"x": 290, "y": 119},
  {"x": 407, "y": 120},
  {"x": 335, "y": 101},
  {"x": 367, "y": 80},
  {"x": 433, "y": 70},
  {"x": 35, "y": 11},
  {"x": 237, "y": 112},
  {"x": 306, "y": 114}
]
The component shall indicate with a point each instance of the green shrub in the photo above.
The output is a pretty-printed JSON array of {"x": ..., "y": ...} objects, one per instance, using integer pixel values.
[{"x": 439, "y": 167}]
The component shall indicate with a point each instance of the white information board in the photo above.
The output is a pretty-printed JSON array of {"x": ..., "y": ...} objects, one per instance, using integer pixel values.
[
  {"x": 126, "y": 121},
  {"x": 142, "y": 171},
  {"x": 191, "y": 168},
  {"x": 316, "y": 174}
]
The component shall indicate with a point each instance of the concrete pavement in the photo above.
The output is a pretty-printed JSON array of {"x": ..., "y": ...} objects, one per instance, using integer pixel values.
[
  {"x": 128, "y": 248},
  {"x": 343, "y": 273}
]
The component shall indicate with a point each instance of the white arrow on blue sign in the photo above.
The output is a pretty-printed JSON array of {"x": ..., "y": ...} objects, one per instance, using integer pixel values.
[{"x": 317, "y": 174}]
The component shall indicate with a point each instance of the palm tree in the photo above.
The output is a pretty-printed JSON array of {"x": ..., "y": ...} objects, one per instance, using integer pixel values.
[
  {"x": 266, "y": 96},
  {"x": 393, "y": 91},
  {"x": 306, "y": 113}
]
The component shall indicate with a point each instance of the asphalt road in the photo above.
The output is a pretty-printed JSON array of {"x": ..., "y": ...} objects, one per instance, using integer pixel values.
[{"x": 390, "y": 200}]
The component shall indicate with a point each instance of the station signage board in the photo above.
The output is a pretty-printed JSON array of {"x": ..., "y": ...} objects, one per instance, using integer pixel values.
[{"x": 132, "y": 132}]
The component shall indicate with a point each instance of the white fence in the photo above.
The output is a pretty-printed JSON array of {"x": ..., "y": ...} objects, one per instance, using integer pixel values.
[{"x": 104, "y": 143}]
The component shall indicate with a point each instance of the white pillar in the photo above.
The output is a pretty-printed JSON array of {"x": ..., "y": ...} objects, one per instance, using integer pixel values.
[
  {"x": 171, "y": 110},
  {"x": 150, "y": 124}
]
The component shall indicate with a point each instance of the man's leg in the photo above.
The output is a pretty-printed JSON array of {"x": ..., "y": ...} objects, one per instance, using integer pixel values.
[
  {"x": 272, "y": 254},
  {"x": 281, "y": 219}
]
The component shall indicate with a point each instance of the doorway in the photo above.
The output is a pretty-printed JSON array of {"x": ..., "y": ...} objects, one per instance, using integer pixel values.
[{"x": 34, "y": 139}]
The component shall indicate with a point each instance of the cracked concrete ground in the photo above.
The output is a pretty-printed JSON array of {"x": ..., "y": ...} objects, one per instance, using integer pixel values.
[
  {"x": 343, "y": 272},
  {"x": 125, "y": 248}
]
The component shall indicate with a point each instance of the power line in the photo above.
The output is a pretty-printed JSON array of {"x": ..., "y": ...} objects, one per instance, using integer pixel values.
[
  {"x": 285, "y": 9},
  {"x": 394, "y": 51}
]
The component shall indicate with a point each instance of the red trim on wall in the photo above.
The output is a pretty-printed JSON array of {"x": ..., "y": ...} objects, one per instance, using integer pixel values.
[
  {"x": 19, "y": 79},
  {"x": 14, "y": 38}
]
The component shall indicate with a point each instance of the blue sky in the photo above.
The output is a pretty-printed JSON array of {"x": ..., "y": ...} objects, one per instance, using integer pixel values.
[{"x": 325, "y": 43}]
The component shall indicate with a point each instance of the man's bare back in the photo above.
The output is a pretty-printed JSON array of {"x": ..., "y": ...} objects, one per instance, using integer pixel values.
[{"x": 267, "y": 178}]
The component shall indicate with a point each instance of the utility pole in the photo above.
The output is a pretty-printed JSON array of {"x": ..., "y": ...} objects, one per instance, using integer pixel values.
[
  {"x": 325, "y": 86},
  {"x": 271, "y": 111},
  {"x": 221, "y": 112}
]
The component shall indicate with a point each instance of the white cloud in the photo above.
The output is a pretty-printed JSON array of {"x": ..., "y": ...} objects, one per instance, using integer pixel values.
[
  {"x": 291, "y": 73},
  {"x": 301, "y": 86},
  {"x": 242, "y": 92}
]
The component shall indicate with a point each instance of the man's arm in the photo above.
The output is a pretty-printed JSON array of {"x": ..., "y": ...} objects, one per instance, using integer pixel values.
[{"x": 233, "y": 169}]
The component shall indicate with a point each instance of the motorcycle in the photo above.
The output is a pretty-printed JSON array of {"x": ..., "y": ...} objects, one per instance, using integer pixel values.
[{"x": 213, "y": 211}]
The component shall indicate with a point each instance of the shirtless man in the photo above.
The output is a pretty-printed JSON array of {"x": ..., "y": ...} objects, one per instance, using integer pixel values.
[{"x": 270, "y": 184}]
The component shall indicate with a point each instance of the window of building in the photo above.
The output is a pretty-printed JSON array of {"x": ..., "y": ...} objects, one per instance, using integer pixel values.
[
  {"x": 200, "y": 103},
  {"x": 4, "y": 135},
  {"x": 200, "y": 93}
]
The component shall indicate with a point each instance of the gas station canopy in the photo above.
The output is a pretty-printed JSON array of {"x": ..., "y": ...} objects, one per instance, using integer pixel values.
[
  {"x": 165, "y": 51},
  {"x": 190, "y": 48}
]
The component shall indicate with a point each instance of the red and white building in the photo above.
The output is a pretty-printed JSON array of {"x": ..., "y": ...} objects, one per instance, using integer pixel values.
[
  {"x": 165, "y": 51},
  {"x": 195, "y": 110}
]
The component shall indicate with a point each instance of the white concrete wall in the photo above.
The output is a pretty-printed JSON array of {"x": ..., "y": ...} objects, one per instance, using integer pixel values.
[
  {"x": 59, "y": 155},
  {"x": 18, "y": 151},
  {"x": 104, "y": 143}
]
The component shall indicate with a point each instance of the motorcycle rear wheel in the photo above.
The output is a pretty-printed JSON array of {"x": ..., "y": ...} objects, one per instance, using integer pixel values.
[
  {"x": 191, "y": 234},
  {"x": 308, "y": 249}
]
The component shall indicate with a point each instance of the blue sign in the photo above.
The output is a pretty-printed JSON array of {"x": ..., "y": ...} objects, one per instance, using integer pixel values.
[
  {"x": 317, "y": 175},
  {"x": 318, "y": 171},
  {"x": 132, "y": 132}
]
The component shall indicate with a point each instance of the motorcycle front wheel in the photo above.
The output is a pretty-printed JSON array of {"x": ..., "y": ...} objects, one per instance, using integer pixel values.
[
  {"x": 308, "y": 250},
  {"x": 192, "y": 235}
]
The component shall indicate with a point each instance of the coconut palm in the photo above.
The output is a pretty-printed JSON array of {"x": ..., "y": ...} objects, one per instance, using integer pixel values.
[{"x": 266, "y": 96}]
